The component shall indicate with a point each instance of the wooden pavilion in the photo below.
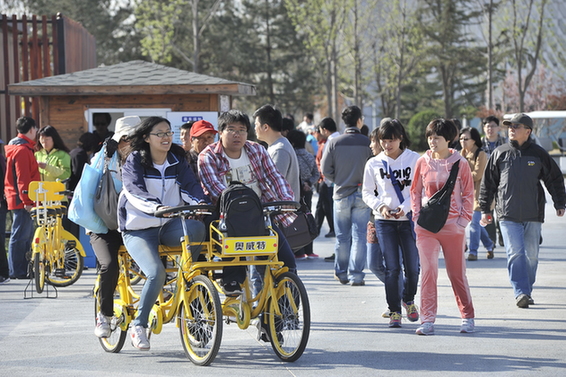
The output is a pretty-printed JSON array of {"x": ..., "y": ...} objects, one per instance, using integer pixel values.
[{"x": 68, "y": 101}]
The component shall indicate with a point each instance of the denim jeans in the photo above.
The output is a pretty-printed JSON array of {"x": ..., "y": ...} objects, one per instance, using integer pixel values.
[
  {"x": 375, "y": 261},
  {"x": 20, "y": 242},
  {"x": 395, "y": 236},
  {"x": 522, "y": 245},
  {"x": 351, "y": 215},
  {"x": 284, "y": 254},
  {"x": 4, "y": 269},
  {"x": 142, "y": 245},
  {"x": 477, "y": 234}
]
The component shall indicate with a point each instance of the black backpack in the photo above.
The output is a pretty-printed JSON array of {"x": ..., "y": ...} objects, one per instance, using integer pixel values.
[{"x": 241, "y": 212}]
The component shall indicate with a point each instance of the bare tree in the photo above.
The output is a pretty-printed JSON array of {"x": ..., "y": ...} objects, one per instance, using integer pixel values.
[{"x": 525, "y": 59}]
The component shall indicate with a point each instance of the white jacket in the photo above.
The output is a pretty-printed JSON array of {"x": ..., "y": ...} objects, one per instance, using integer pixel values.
[{"x": 376, "y": 179}]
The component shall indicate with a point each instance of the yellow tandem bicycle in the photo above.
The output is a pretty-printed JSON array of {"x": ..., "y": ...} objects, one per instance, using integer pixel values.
[{"x": 190, "y": 295}]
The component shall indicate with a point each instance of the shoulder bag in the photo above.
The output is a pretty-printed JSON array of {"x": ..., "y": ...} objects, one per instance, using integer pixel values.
[
  {"x": 434, "y": 213},
  {"x": 106, "y": 197},
  {"x": 81, "y": 210}
]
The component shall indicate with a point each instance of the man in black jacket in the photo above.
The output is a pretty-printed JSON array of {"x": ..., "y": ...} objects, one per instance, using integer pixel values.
[{"x": 512, "y": 177}]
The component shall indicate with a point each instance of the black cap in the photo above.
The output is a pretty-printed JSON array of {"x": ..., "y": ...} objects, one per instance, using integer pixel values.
[{"x": 520, "y": 118}]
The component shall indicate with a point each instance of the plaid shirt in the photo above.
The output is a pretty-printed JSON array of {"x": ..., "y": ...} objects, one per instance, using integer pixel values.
[{"x": 213, "y": 167}]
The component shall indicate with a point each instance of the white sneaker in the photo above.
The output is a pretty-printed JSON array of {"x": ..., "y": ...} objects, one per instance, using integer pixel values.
[
  {"x": 138, "y": 335},
  {"x": 102, "y": 329},
  {"x": 467, "y": 325},
  {"x": 426, "y": 328}
]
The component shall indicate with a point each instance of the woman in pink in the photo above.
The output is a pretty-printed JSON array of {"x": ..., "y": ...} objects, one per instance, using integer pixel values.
[{"x": 431, "y": 173}]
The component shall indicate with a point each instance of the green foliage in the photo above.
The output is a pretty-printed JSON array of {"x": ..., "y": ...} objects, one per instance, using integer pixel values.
[
  {"x": 109, "y": 22},
  {"x": 417, "y": 127},
  {"x": 453, "y": 55}
]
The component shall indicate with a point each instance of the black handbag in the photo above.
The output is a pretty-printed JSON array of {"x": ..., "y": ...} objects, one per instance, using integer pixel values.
[
  {"x": 434, "y": 213},
  {"x": 302, "y": 231}
]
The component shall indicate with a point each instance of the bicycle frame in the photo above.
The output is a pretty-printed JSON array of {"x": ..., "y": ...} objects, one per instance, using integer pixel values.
[
  {"x": 50, "y": 239},
  {"x": 194, "y": 301}
]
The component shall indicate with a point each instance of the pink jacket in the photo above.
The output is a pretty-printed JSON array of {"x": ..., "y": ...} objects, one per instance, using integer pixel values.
[{"x": 431, "y": 174}]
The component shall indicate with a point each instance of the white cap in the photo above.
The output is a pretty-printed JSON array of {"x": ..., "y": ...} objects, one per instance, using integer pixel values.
[{"x": 125, "y": 126}]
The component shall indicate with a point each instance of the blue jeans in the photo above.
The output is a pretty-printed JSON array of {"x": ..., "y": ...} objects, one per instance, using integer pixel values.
[
  {"x": 142, "y": 245},
  {"x": 522, "y": 245},
  {"x": 375, "y": 261},
  {"x": 20, "y": 242},
  {"x": 4, "y": 269},
  {"x": 351, "y": 215},
  {"x": 395, "y": 236},
  {"x": 284, "y": 254},
  {"x": 477, "y": 234}
]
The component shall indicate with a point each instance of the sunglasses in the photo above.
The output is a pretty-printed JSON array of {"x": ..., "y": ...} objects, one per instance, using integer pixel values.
[{"x": 515, "y": 126}]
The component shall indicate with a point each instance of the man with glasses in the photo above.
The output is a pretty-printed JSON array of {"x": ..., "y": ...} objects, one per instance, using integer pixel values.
[
  {"x": 490, "y": 141},
  {"x": 512, "y": 177},
  {"x": 492, "y": 138},
  {"x": 233, "y": 158}
]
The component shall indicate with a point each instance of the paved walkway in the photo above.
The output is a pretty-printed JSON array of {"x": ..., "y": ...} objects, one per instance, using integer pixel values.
[{"x": 44, "y": 336}]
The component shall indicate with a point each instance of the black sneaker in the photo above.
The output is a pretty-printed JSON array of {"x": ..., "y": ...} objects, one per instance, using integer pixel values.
[
  {"x": 232, "y": 289},
  {"x": 4, "y": 279},
  {"x": 523, "y": 301},
  {"x": 330, "y": 258}
]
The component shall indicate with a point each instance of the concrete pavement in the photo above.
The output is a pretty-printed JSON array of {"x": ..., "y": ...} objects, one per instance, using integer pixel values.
[{"x": 43, "y": 336}]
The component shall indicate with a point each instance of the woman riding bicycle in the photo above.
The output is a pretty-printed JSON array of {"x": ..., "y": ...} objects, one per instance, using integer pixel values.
[
  {"x": 155, "y": 176},
  {"x": 106, "y": 245}
]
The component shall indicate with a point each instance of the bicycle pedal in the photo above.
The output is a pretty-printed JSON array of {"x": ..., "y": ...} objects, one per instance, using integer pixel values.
[
  {"x": 60, "y": 272},
  {"x": 71, "y": 244}
]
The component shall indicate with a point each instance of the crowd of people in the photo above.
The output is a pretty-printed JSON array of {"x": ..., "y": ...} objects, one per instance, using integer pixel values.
[{"x": 371, "y": 190}]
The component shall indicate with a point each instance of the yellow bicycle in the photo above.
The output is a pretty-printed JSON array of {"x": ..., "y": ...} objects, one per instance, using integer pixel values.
[
  {"x": 57, "y": 255},
  {"x": 190, "y": 296}
]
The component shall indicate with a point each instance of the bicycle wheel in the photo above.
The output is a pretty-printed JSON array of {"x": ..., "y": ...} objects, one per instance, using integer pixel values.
[
  {"x": 38, "y": 272},
  {"x": 66, "y": 272},
  {"x": 289, "y": 332},
  {"x": 118, "y": 327},
  {"x": 201, "y": 321}
]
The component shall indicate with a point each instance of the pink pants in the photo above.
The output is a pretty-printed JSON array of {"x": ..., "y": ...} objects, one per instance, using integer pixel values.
[{"x": 451, "y": 238}]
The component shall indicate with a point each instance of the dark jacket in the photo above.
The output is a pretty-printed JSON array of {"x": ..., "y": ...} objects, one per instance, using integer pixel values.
[
  {"x": 513, "y": 176},
  {"x": 344, "y": 160},
  {"x": 21, "y": 169},
  {"x": 79, "y": 158}
]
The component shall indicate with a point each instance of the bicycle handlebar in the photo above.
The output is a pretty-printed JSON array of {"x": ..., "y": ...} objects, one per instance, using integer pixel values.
[{"x": 189, "y": 210}]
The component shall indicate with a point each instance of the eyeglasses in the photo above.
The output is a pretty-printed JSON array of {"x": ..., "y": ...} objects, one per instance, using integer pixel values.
[
  {"x": 233, "y": 131},
  {"x": 464, "y": 138},
  {"x": 163, "y": 134},
  {"x": 515, "y": 125}
]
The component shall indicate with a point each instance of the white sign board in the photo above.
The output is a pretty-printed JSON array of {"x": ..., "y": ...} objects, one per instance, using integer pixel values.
[{"x": 178, "y": 118}]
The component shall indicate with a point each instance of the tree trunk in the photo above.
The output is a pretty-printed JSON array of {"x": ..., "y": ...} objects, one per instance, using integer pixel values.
[
  {"x": 268, "y": 50},
  {"x": 490, "y": 56},
  {"x": 196, "y": 37}
]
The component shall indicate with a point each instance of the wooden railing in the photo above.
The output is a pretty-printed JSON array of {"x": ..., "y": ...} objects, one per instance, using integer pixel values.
[{"x": 36, "y": 48}]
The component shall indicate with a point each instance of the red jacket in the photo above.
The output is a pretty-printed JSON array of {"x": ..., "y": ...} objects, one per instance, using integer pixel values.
[{"x": 21, "y": 169}]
